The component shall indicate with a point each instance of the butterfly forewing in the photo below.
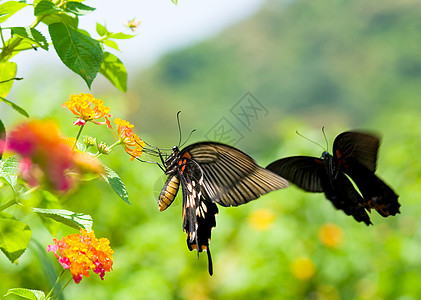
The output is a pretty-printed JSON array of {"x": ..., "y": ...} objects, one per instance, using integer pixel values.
[
  {"x": 304, "y": 171},
  {"x": 360, "y": 146},
  {"x": 231, "y": 177}
]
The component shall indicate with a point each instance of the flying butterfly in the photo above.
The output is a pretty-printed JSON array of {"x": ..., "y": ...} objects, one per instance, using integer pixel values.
[
  {"x": 354, "y": 156},
  {"x": 210, "y": 173}
]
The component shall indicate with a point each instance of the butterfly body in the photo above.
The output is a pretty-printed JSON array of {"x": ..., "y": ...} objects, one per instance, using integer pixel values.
[
  {"x": 211, "y": 173},
  {"x": 354, "y": 159}
]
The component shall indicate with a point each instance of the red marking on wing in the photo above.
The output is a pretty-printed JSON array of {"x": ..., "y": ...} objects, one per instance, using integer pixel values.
[{"x": 187, "y": 155}]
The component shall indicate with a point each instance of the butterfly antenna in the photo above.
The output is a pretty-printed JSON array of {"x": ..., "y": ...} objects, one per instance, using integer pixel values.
[
  {"x": 304, "y": 137},
  {"x": 191, "y": 132},
  {"x": 324, "y": 134},
  {"x": 179, "y": 128}
]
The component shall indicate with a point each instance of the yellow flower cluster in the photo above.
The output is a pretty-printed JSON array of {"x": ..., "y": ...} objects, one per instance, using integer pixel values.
[
  {"x": 83, "y": 252},
  {"x": 88, "y": 108},
  {"x": 131, "y": 142}
]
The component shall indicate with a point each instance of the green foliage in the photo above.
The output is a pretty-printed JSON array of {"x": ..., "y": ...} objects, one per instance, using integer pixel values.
[
  {"x": 80, "y": 53},
  {"x": 14, "y": 237},
  {"x": 27, "y": 293},
  {"x": 116, "y": 184},
  {"x": 75, "y": 47},
  {"x": 69, "y": 218}
]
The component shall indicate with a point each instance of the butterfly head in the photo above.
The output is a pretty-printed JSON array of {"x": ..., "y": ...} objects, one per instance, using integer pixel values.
[{"x": 325, "y": 155}]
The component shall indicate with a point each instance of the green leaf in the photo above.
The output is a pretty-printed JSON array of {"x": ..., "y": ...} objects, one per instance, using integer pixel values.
[
  {"x": 44, "y": 8},
  {"x": 101, "y": 30},
  {"x": 26, "y": 293},
  {"x": 116, "y": 184},
  {"x": 32, "y": 35},
  {"x": 111, "y": 44},
  {"x": 113, "y": 69},
  {"x": 7, "y": 71},
  {"x": 10, "y": 166},
  {"x": 61, "y": 17},
  {"x": 80, "y": 53},
  {"x": 9, "y": 8},
  {"x": 15, "y": 107},
  {"x": 66, "y": 217},
  {"x": 14, "y": 237},
  {"x": 2, "y": 139},
  {"x": 174, "y": 1},
  {"x": 78, "y": 9},
  {"x": 52, "y": 202},
  {"x": 9, "y": 172},
  {"x": 121, "y": 36}
]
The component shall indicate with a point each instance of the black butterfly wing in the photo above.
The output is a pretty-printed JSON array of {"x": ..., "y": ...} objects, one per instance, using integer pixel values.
[
  {"x": 343, "y": 196},
  {"x": 231, "y": 177},
  {"x": 198, "y": 213},
  {"x": 357, "y": 146},
  {"x": 312, "y": 175},
  {"x": 304, "y": 171},
  {"x": 377, "y": 193}
]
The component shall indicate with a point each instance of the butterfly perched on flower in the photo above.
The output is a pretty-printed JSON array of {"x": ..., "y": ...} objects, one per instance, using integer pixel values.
[
  {"x": 210, "y": 173},
  {"x": 354, "y": 157}
]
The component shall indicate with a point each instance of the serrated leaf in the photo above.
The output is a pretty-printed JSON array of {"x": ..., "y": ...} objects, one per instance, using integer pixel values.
[
  {"x": 45, "y": 8},
  {"x": 7, "y": 71},
  {"x": 101, "y": 30},
  {"x": 78, "y": 9},
  {"x": 113, "y": 69},
  {"x": 15, "y": 107},
  {"x": 174, "y": 1},
  {"x": 111, "y": 44},
  {"x": 121, "y": 36},
  {"x": 31, "y": 34},
  {"x": 50, "y": 201},
  {"x": 66, "y": 217},
  {"x": 80, "y": 53},
  {"x": 14, "y": 237},
  {"x": 9, "y": 8},
  {"x": 2, "y": 139},
  {"x": 9, "y": 172},
  {"x": 27, "y": 293},
  {"x": 116, "y": 184},
  {"x": 10, "y": 166}
]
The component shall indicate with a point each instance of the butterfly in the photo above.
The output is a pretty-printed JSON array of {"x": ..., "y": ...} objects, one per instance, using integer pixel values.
[
  {"x": 354, "y": 157},
  {"x": 210, "y": 173}
]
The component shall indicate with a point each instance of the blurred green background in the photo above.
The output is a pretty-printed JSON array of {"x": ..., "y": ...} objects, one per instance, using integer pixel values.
[{"x": 342, "y": 65}]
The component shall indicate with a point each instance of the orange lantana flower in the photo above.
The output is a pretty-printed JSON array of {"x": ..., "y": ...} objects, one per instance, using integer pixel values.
[
  {"x": 83, "y": 252},
  {"x": 47, "y": 155},
  {"x": 131, "y": 142},
  {"x": 88, "y": 108}
]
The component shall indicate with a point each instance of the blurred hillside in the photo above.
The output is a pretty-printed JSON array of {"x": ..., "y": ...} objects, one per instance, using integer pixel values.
[{"x": 320, "y": 61}]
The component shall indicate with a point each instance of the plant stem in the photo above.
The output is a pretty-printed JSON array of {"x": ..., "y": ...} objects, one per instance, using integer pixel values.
[
  {"x": 55, "y": 283},
  {"x": 77, "y": 137},
  {"x": 8, "y": 204}
]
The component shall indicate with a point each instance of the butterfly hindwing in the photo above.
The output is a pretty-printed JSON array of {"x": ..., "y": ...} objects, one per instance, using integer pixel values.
[
  {"x": 198, "y": 213},
  {"x": 231, "y": 177},
  {"x": 376, "y": 192}
]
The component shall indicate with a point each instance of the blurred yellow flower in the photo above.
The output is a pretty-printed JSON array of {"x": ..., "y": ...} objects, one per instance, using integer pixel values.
[
  {"x": 303, "y": 268},
  {"x": 88, "y": 108},
  {"x": 261, "y": 219},
  {"x": 83, "y": 252},
  {"x": 330, "y": 235},
  {"x": 130, "y": 141}
]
